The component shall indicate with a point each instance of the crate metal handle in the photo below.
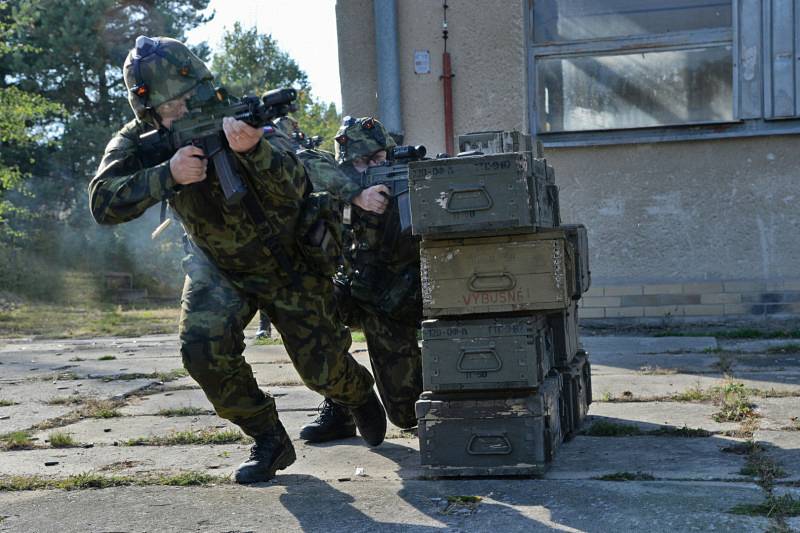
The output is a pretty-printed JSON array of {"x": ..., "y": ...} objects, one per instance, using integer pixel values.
[
  {"x": 496, "y": 445},
  {"x": 507, "y": 281},
  {"x": 498, "y": 363},
  {"x": 454, "y": 192}
]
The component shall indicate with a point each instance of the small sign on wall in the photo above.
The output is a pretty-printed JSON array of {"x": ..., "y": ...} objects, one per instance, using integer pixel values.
[{"x": 422, "y": 62}]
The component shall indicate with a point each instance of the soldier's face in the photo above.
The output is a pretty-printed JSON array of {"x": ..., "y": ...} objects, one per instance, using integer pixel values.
[
  {"x": 361, "y": 164},
  {"x": 172, "y": 110}
]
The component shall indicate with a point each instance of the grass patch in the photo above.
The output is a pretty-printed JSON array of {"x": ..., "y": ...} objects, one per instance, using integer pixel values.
[
  {"x": 107, "y": 358},
  {"x": 59, "y": 376},
  {"x": 773, "y": 506},
  {"x": 54, "y": 321},
  {"x": 92, "y": 480},
  {"x": 16, "y": 440},
  {"x": 657, "y": 371},
  {"x": 7, "y": 403},
  {"x": 268, "y": 341},
  {"x": 358, "y": 336},
  {"x": 603, "y": 428},
  {"x": 741, "y": 333},
  {"x": 693, "y": 394},
  {"x": 734, "y": 401},
  {"x": 100, "y": 409},
  {"x": 626, "y": 476},
  {"x": 462, "y": 503},
  {"x": 59, "y": 439},
  {"x": 786, "y": 348},
  {"x": 169, "y": 375},
  {"x": 760, "y": 468},
  {"x": 180, "y": 438},
  {"x": 698, "y": 394},
  {"x": 684, "y": 432},
  {"x": 185, "y": 411},
  {"x": 66, "y": 400},
  {"x": 90, "y": 408},
  {"x": 743, "y": 448}
]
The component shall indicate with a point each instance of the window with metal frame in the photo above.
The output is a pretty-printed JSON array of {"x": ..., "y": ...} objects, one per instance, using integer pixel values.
[{"x": 605, "y": 71}]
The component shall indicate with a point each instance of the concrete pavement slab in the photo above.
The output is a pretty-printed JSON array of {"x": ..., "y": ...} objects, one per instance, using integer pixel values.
[
  {"x": 301, "y": 502},
  {"x": 295, "y": 398},
  {"x": 650, "y": 416},
  {"x": 779, "y": 413},
  {"x": 22, "y": 416},
  {"x": 663, "y": 457},
  {"x": 687, "y": 363},
  {"x": 654, "y": 386},
  {"x": 220, "y": 460},
  {"x": 611, "y": 345},
  {"x": 757, "y": 345},
  {"x": 784, "y": 448}
]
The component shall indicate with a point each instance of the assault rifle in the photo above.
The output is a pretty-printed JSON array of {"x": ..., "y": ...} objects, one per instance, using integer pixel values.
[
  {"x": 202, "y": 127},
  {"x": 394, "y": 175},
  {"x": 307, "y": 143}
]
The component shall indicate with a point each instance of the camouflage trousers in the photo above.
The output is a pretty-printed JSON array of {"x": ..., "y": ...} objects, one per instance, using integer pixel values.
[
  {"x": 395, "y": 358},
  {"x": 214, "y": 312}
]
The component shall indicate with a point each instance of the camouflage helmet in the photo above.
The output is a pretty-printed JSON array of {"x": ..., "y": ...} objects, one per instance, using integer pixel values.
[
  {"x": 160, "y": 69},
  {"x": 361, "y": 137}
]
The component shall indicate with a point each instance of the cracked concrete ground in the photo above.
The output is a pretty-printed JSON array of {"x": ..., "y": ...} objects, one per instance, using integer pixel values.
[{"x": 692, "y": 483}]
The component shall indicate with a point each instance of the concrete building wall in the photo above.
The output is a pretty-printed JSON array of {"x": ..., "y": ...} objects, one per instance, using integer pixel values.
[
  {"x": 693, "y": 228},
  {"x": 487, "y": 46}
]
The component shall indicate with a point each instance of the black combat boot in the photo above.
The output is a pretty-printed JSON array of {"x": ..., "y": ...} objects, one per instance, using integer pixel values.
[
  {"x": 264, "y": 327},
  {"x": 371, "y": 420},
  {"x": 334, "y": 422},
  {"x": 272, "y": 451}
]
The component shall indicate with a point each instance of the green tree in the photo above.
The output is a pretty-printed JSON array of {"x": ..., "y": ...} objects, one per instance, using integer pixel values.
[
  {"x": 21, "y": 128},
  {"x": 71, "y": 54},
  {"x": 74, "y": 57},
  {"x": 252, "y": 63},
  {"x": 249, "y": 62}
]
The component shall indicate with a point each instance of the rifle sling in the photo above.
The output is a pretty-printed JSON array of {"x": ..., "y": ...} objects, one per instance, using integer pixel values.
[{"x": 257, "y": 215}]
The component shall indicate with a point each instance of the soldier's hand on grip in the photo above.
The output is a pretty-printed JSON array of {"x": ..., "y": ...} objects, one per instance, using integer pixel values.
[
  {"x": 374, "y": 199},
  {"x": 241, "y": 136},
  {"x": 188, "y": 165}
]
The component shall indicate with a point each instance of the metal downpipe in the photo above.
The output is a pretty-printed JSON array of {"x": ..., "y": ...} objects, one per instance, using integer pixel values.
[{"x": 388, "y": 67}]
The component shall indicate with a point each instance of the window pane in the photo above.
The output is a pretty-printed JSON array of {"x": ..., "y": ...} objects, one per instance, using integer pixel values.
[
  {"x": 635, "y": 90},
  {"x": 565, "y": 20}
]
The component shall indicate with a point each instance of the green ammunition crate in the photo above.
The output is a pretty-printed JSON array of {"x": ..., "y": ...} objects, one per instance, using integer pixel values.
[
  {"x": 577, "y": 393},
  {"x": 480, "y": 195},
  {"x": 495, "y": 142},
  {"x": 489, "y": 353},
  {"x": 490, "y": 436},
  {"x": 564, "y": 326},
  {"x": 512, "y": 273},
  {"x": 577, "y": 236}
]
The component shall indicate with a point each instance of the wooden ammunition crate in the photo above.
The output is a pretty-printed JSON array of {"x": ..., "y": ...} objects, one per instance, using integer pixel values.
[{"x": 511, "y": 273}]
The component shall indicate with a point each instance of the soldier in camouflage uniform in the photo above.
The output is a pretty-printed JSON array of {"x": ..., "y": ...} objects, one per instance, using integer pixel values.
[
  {"x": 230, "y": 270},
  {"x": 381, "y": 294}
]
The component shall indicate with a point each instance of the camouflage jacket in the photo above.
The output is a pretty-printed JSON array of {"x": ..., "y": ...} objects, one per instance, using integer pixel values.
[
  {"x": 125, "y": 187},
  {"x": 376, "y": 238},
  {"x": 325, "y": 175}
]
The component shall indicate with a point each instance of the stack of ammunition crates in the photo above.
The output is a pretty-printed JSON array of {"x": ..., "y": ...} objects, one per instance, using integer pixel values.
[{"x": 505, "y": 380}]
